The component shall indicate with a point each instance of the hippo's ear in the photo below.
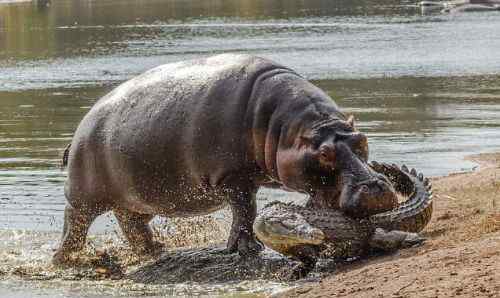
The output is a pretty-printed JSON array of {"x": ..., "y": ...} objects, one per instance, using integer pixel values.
[{"x": 350, "y": 121}]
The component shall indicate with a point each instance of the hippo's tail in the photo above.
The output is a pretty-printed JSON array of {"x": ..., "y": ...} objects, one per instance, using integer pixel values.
[{"x": 65, "y": 156}]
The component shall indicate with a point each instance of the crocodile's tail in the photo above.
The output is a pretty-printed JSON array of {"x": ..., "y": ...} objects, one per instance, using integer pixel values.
[
  {"x": 65, "y": 156},
  {"x": 413, "y": 214}
]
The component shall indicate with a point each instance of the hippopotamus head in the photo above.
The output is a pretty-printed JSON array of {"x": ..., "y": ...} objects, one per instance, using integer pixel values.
[{"x": 328, "y": 160}]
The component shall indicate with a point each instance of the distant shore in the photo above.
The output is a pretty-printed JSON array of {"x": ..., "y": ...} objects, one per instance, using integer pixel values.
[
  {"x": 461, "y": 255},
  {"x": 13, "y": 1}
]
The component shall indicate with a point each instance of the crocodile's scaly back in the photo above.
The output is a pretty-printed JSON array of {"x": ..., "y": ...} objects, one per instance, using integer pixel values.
[{"x": 413, "y": 214}]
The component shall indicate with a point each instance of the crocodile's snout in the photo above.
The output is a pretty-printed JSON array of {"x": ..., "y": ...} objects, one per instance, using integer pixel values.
[{"x": 291, "y": 230}]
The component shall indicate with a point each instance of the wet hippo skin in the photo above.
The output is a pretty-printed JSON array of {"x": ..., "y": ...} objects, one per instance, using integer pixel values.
[{"x": 189, "y": 138}]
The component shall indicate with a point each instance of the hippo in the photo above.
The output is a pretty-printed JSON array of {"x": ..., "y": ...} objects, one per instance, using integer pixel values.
[{"x": 192, "y": 137}]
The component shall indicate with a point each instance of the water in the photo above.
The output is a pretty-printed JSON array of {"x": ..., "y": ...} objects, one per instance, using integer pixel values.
[{"x": 425, "y": 89}]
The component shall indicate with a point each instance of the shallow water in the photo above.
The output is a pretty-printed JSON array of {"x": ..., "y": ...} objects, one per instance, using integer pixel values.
[{"x": 425, "y": 88}]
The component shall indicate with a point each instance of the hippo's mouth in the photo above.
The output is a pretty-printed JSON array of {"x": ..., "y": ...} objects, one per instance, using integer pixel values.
[{"x": 369, "y": 196}]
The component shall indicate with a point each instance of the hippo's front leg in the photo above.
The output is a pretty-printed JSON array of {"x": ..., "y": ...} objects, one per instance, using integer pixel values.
[{"x": 244, "y": 209}]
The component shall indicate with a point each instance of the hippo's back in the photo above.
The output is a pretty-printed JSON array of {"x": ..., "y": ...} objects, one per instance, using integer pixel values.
[
  {"x": 183, "y": 84},
  {"x": 173, "y": 125}
]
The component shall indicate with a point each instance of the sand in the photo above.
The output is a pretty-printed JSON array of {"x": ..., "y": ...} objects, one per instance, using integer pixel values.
[{"x": 460, "y": 258}]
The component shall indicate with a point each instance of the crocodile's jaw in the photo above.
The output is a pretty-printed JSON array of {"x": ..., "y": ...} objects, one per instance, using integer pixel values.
[{"x": 290, "y": 230}]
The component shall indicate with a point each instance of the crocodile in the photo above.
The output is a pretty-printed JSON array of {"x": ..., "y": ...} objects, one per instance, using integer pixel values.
[{"x": 306, "y": 233}]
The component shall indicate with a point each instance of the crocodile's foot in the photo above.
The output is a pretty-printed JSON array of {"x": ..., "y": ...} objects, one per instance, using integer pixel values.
[
  {"x": 300, "y": 271},
  {"x": 393, "y": 240}
]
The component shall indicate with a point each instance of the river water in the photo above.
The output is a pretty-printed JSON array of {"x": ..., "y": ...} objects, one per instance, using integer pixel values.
[{"x": 425, "y": 89}]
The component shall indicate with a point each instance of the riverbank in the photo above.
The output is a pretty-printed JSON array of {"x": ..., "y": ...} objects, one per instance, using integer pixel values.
[{"x": 461, "y": 255}]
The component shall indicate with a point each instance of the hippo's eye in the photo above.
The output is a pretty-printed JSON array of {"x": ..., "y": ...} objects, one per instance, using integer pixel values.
[{"x": 310, "y": 139}]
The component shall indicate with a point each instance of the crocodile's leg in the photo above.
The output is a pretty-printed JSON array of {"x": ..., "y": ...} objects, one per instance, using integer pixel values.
[
  {"x": 393, "y": 240},
  {"x": 308, "y": 256}
]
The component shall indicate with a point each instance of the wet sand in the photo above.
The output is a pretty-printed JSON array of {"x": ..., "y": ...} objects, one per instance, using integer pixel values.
[{"x": 460, "y": 258}]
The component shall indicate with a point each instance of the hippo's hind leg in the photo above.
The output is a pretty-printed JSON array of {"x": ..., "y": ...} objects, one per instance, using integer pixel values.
[
  {"x": 135, "y": 227},
  {"x": 242, "y": 200},
  {"x": 77, "y": 222}
]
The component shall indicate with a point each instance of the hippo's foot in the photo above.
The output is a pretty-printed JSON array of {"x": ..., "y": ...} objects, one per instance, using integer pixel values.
[
  {"x": 61, "y": 258},
  {"x": 103, "y": 264},
  {"x": 76, "y": 225},
  {"x": 244, "y": 208},
  {"x": 65, "y": 258},
  {"x": 243, "y": 243}
]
